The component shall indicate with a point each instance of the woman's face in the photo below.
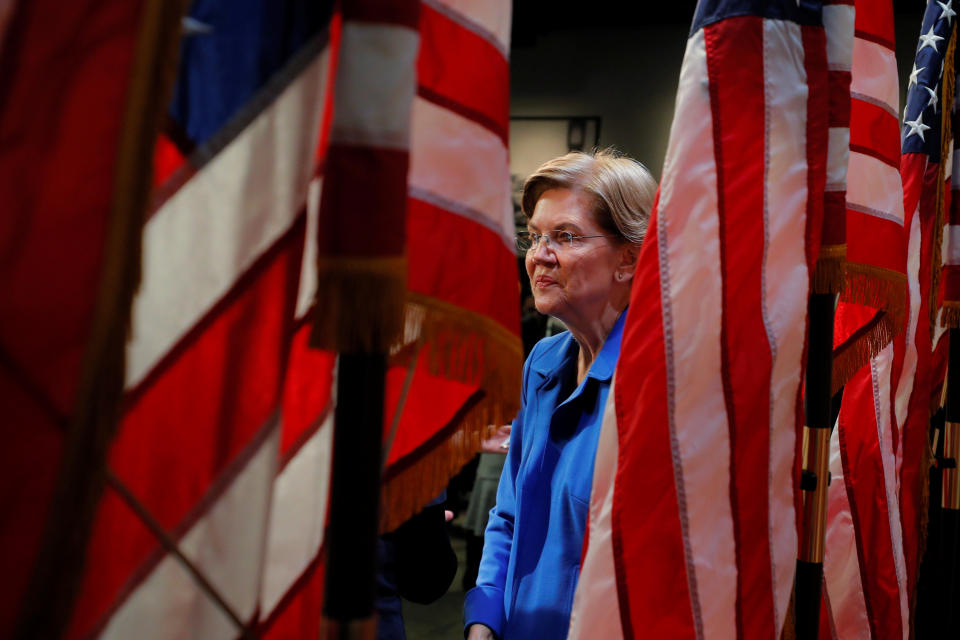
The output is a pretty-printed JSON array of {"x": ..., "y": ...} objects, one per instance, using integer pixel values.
[{"x": 572, "y": 283}]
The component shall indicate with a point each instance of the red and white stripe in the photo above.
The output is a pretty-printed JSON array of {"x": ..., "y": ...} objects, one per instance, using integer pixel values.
[
  {"x": 699, "y": 517},
  {"x": 838, "y": 23},
  {"x": 200, "y": 438},
  {"x": 864, "y": 565}
]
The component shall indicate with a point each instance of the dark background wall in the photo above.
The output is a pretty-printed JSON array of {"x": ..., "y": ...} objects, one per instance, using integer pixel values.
[{"x": 621, "y": 61}]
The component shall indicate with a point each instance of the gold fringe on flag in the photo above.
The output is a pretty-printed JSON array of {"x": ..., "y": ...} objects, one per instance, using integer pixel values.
[
  {"x": 360, "y": 304},
  {"x": 880, "y": 289},
  {"x": 830, "y": 273},
  {"x": 468, "y": 347},
  {"x": 950, "y": 318}
]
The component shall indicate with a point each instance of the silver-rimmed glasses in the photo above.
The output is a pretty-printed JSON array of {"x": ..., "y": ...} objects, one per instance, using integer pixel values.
[{"x": 556, "y": 239}]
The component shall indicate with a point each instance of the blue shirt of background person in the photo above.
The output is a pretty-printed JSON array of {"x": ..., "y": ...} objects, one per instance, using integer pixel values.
[{"x": 586, "y": 218}]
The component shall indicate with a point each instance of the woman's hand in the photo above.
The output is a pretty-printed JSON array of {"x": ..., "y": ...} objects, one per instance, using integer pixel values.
[{"x": 479, "y": 632}]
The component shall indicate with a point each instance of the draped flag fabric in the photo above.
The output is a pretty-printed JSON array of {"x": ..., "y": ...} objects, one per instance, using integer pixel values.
[
  {"x": 462, "y": 328},
  {"x": 880, "y": 460},
  {"x": 81, "y": 93},
  {"x": 873, "y": 302},
  {"x": 223, "y": 408},
  {"x": 692, "y": 530},
  {"x": 216, "y": 480}
]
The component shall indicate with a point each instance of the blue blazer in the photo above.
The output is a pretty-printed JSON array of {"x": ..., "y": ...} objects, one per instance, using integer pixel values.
[{"x": 533, "y": 540}]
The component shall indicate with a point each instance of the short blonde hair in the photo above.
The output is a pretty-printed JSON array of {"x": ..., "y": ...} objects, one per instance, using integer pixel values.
[{"x": 620, "y": 188}]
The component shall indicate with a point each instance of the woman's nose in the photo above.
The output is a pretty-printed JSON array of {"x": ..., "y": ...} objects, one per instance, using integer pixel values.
[{"x": 542, "y": 251}]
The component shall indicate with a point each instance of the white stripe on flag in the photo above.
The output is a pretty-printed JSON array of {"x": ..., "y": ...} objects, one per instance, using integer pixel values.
[
  {"x": 875, "y": 74},
  {"x": 785, "y": 282},
  {"x": 838, "y": 149},
  {"x": 838, "y": 21},
  {"x": 226, "y": 545},
  {"x": 951, "y": 244},
  {"x": 298, "y": 516},
  {"x": 910, "y": 356},
  {"x": 490, "y": 17},
  {"x": 874, "y": 187},
  {"x": 209, "y": 232},
  {"x": 880, "y": 368},
  {"x": 307, "y": 292},
  {"x": 596, "y": 607},
  {"x": 457, "y": 160},
  {"x": 376, "y": 82},
  {"x": 691, "y": 289},
  {"x": 841, "y": 562}
]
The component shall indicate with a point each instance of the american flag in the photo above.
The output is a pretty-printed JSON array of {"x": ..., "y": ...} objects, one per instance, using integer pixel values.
[
  {"x": 692, "y": 530},
  {"x": 880, "y": 457},
  {"x": 873, "y": 301},
  {"x": 212, "y": 521}
]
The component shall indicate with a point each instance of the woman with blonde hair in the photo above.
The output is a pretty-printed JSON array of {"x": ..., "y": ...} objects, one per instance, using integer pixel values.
[{"x": 586, "y": 218}]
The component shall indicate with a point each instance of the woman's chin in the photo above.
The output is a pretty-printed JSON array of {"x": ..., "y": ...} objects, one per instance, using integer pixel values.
[{"x": 547, "y": 306}]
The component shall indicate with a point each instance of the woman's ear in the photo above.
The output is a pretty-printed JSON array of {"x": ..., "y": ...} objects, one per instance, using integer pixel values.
[{"x": 629, "y": 254}]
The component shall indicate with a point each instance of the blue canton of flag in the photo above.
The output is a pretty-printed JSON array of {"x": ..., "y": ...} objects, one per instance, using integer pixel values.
[{"x": 921, "y": 116}]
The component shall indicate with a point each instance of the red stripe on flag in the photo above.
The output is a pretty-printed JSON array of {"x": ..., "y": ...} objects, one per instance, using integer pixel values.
[
  {"x": 456, "y": 245},
  {"x": 825, "y": 211},
  {"x": 299, "y": 612},
  {"x": 860, "y": 450},
  {"x": 475, "y": 83},
  {"x": 951, "y": 282},
  {"x": 31, "y": 464},
  {"x": 882, "y": 233},
  {"x": 736, "y": 47},
  {"x": 363, "y": 185},
  {"x": 307, "y": 391},
  {"x": 430, "y": 410},
  {"x": 395, "y": 12},
  {"x": 660, "y": 608},
  {"x": 839, "y": 82},
  {"x": 835, "y": 218},
  {"x": 874, "y": 132},
  {"x": 195, "y": 415}
]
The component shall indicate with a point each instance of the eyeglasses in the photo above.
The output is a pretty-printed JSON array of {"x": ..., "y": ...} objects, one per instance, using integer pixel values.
[{"x": 556, "y": 239}]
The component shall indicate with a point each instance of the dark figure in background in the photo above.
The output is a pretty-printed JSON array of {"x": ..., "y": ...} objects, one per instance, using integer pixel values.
[{"x": 416, "y": 562}]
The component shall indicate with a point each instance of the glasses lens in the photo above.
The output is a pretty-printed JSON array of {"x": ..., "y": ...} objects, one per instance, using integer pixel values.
[
  {"x": 524, "y": 241},
  {"x": 562, "y": 238}
]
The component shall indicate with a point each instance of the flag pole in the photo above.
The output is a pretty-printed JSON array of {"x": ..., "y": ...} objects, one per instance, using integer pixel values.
[
  {"x": 349, "y": 589},
  {"x": 814, "y": 477},
  {"x": 950, "y": 494}
]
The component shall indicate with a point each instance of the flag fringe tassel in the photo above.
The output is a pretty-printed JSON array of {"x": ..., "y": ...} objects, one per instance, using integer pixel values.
[
  {"x": 829, "y": 276},
  {"x": 360, "y": 304},
  {"x": 471, "y": 348},
  {"x": 950, "y": 318}
]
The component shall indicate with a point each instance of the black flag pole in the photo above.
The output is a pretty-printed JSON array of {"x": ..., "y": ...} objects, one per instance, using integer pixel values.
[
  {"x": 349, "y": 589},
  {"x": 815, "y": 475}
]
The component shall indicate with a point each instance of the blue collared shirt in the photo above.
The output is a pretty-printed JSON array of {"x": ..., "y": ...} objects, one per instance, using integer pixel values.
[{"x": 533, "y": 540}]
